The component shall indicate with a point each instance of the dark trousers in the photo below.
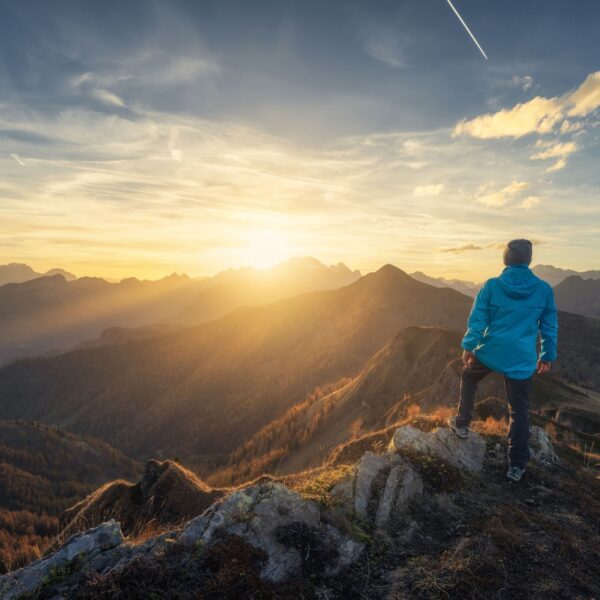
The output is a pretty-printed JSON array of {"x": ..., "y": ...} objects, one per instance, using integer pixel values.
[{"x": 517, "y": 394}]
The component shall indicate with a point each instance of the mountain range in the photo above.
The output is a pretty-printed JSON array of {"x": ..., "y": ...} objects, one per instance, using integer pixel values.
[
  {"x": 52, "y": 314},
  {"x": 56, "y": 312},
  {"x": 554, "y": 275},
  {"x": 19, "y": 272},
  {"x": 469, "y": 288},
  {"x": 225, "y": 378},
  {"x": 254, "y": 287},
  {"x": 202, "y": 392}
]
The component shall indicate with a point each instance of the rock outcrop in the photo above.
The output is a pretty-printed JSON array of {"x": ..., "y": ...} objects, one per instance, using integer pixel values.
[
  {"x": 467, "y": 454},
  {"x": 91, "y": 544},
  {"x": 540, "y": 447},
  {"x": 398, "y": 483},
  {"x": 292, "y": 532},
  {"x": 264, "y": 515},
  {"x": 166, "y": 495}
]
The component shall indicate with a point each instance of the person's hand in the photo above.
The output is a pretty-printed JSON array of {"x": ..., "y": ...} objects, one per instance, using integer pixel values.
[
  {"x": 543, "y": 367},
  {"x": 467, "y": 358}
]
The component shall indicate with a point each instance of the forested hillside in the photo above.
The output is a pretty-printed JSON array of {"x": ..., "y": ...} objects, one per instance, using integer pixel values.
[
  {"x": 44, "y": 470},
  {"x": 417, "y": 372}
]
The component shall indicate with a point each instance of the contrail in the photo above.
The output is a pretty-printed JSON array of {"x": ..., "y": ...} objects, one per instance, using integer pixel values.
[{"x": 467, "y": 28}]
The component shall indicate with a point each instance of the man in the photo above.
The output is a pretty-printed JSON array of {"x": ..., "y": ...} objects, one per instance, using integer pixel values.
[{"x": 507, "y": 315}]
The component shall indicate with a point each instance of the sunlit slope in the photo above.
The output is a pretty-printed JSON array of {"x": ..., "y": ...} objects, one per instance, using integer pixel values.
[
  {"x": 203, "y": 391},
  {"x": 417, "y": 372},
  {"x": 307, "y": 432}
]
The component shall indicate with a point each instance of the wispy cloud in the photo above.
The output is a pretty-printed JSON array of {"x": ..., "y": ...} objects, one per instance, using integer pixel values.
[
  {"x": 107, "y": 97},
  {"x": 525, "y": 82},
  {"x": 554, "y": 150},
  {"x": 384, "y": 46},
  {"x": 18, "y": 159},
  {"x": 499, "y": 198},
  {"x": 557, "y": 150},
  {"x": 561, "y": 163},
  {"x": 461, "y": 249},
  {"x": 530, "y": 202}
]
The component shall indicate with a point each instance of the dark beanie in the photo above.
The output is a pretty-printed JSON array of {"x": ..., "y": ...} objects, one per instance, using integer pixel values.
[{"x": 517, "y": 252}]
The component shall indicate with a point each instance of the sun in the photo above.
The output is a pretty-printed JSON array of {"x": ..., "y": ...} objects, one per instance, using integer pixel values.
[{"x": 264, "y": 248}]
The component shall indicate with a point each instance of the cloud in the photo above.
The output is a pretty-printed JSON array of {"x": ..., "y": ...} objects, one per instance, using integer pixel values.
[
  {"x": 570, "y": 126},
  {"x": 561, "y": 163},
  {"x": 18, "y": 159},
  {"x": 555, "y": 150},
  {"x": 539, "y": 115},
  {"x": 586, "y": 98},
  {"x": 384, "y": 47},
  {"x": 524, "y": 82},
  {"x": 429, "y": 190},
  {"x": 530, "y": 202},
  {"x": 461, "y": 249},
  {"x": 500, "y": 198},
  {"x": 107, "y": 97}
]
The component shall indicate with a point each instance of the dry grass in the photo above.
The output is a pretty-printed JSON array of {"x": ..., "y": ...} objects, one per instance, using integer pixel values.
[
  {"x": 316, "y": 484},
  {"x": 490, "y": 426}
]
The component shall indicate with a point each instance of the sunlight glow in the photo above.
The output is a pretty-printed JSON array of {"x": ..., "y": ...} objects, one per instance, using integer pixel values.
[{"x": 265, "y": 247}]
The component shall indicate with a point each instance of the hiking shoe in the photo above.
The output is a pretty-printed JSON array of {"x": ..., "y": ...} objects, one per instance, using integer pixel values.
[
  {"x": 461, "y": 432},
  {"x": 515, "y": 473}
]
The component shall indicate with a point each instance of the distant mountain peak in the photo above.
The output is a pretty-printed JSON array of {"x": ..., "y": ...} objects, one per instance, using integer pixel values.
[
  {"x": 391, "y": 269},
  {"x": 66, "y": 274},
  {"x": 468, "y": 288},
  {"x": 554, "y": 275},
  {"x": 20, "y": 273}
]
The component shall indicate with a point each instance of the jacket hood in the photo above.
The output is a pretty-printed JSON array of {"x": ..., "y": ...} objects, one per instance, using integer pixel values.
[{"x": 518, "y": 281}]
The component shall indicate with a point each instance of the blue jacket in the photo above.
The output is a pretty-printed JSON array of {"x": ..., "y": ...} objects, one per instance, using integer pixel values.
[{"x": 505, "y": 320}]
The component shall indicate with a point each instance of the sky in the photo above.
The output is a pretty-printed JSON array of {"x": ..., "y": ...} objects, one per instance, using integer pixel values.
[{"x": 144, "y": 137}]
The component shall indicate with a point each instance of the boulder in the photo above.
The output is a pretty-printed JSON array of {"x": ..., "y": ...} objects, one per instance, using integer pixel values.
[
  {"x": 261, "y": 515},
  {"x": 402, "y": 484},
  {"x": 387, "y": 480},
  {"x": 540, "y": 446},
  {"x": 465, "y": 454},
  {"x": 368, "y": 469},
  {"x": 84, "y": 546}
]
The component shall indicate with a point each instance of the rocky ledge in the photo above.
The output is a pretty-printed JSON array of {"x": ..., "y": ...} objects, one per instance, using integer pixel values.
[{"x": 291, "y": 531}]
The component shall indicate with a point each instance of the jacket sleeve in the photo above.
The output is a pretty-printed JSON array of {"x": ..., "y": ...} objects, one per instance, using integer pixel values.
[
  {"x": 549, "y": 329},
  {"x": 479, "y": 319}
]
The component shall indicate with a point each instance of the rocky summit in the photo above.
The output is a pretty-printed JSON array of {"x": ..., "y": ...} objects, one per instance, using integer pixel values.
[{"x": 430, "y": 517}]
